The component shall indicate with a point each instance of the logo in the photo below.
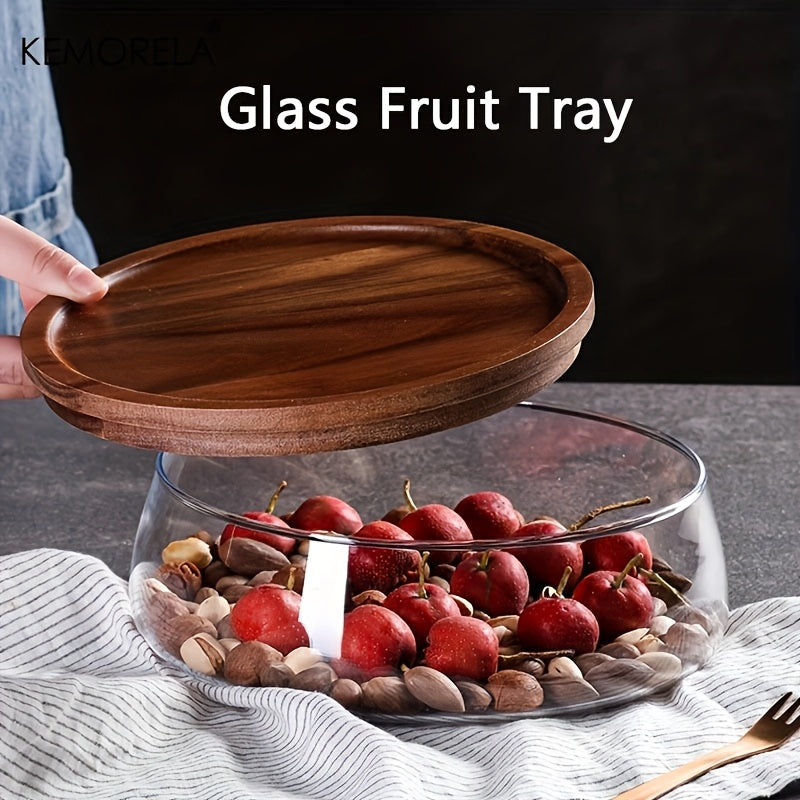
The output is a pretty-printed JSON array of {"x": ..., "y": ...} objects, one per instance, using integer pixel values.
[{"x": 155, "y": 51}]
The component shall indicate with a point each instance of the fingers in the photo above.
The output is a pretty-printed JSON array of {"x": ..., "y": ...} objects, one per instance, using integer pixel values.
[
  {"x": 14, "y": 382},
  {"x": 43, "y": 268}
]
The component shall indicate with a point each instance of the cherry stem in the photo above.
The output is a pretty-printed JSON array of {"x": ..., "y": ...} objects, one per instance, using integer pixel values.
[
  {"x": 273, "y": 501},
  {"x": 422, "y": 591},
  {"x": 596, "y": 512},
  {"x": 562, "y": 584},
  {"x": 632, "y": 564},
  {"x": 407, "y": 494},
  {"x": 654, "y": 576}
]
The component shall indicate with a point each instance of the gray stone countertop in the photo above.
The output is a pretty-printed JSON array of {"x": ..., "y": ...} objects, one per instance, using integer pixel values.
[{"x": 63, "y": 488}]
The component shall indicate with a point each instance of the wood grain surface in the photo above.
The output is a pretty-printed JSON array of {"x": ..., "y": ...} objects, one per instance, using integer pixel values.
[{"x": 311, "y": 335}]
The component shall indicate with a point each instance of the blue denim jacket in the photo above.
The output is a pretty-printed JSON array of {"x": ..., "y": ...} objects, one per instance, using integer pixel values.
[{"x": 35, "y": 177}]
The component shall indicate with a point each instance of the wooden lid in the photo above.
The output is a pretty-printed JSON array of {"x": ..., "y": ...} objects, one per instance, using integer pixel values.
[{"x": 311, "y": 335}]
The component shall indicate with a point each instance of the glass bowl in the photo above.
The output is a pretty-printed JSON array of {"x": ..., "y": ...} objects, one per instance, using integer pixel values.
[{"x": 429, "y": 628}]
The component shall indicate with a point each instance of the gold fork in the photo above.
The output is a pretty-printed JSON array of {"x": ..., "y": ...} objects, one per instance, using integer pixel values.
[{"x": 769, "y": 732}]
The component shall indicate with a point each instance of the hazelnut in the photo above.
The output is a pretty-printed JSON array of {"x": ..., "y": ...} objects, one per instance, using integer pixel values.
[
  {"x": 346, "y": 692},
  {"x": 513, "y": 690},
  {"x": 245, "y": 662}
]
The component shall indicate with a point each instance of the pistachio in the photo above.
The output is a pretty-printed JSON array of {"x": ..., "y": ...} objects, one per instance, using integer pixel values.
[
  {"x": 214, "y": 608},
  {"x": 693, "y": 615},
  {"x": 619, "y": 650},
  {"x": 298, "y": 559},
  {"x": 660, "y": 625},
  {"x": 505, "y": 636},
  {"x": 434, "y": 689},
  {"x": 481, "y": 615},
  {"x": 183, "y": 578},
  {"x": 668, "y": 667},
  {"x": 586, "y": 661},
  {"x": 229, "y": 643},
  {"x": 249, "y": 557},
  {"x": 442, "y": 583},
  {"x": 508, "y": 621},
  {"x": 659, "y": 607},
  {"x": 513, "y": 690},
  {"x": 476, "y": 698},
  {"x": 317, "y": 678},
  {"x": 631, "y": 637},
  {"x": 564, "y": 667},
  {"x": 302, "y": 546},
  {"x": 301, "y": 658},
  {"x": 688, "y": 641},
  {"x": 203, "y": 653},
  {"x": 619, "y": 675},
  {"x": 346, "y": 692},
  {"x": 390, "y": 695},
  {"x": 245, "y": 663},
  {"x": 464, "y": 606},
  {"x": 650, "y": 644},
  {"x": 563, "y": 691},
  {"x": 193, "y": 550},
  {"x": 175, "y": 631}
]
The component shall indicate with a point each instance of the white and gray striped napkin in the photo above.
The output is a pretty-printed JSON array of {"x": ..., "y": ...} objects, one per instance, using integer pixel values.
[{"x": 87, "y": 711}]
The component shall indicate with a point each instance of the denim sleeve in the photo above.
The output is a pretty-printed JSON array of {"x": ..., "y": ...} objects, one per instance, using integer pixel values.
[{"x": 35, "y": 176}]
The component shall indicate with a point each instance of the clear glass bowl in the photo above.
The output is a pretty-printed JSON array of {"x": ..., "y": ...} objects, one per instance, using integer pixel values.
[{"x": 315, "y": 636}]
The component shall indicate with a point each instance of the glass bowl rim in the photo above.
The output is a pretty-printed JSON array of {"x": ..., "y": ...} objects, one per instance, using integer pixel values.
[{"x": 642, "y": 520}]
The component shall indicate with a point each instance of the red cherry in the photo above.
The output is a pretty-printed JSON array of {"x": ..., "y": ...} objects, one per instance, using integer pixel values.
[
  {"x": 493, "y": 581},
  {"x": 555, "y": 622},
  {"x": 620, "y": 602},
  {"x": 545, "y": 563},
  {"x": 285, "y": 544},
  {"x": 488, "y": 515},
  {"x": 374, "y": 638},
  {"x": 380, "y": 568},
  {"x": 462, "y": 647},
  {"x": 325, "y": 513},
  {"x": 420, "y": 605},
  {"x": 434, "y": 522},
  {"x": 615, "y": 551},
  {"x": 270, "y": 613}
]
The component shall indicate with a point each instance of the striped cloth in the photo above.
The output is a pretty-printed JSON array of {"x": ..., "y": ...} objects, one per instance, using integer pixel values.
[{"x": 89, "y": 712}]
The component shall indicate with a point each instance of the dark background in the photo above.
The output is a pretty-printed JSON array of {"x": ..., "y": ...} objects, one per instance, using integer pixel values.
[{"x": 688, "y": 222}]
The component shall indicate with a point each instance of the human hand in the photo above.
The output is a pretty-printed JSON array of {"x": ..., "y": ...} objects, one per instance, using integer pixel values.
[{"x": 39, "y": 268}]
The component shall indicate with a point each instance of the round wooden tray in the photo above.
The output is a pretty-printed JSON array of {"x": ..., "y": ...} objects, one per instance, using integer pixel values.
[{"x": 311, "y": 335}]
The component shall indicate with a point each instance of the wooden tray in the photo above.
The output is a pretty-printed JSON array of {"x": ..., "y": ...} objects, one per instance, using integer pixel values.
[{"x": 311, "y": 335}]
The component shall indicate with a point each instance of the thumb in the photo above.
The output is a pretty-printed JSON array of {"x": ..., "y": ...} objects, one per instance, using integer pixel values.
[{"x": 43, "y": 268}]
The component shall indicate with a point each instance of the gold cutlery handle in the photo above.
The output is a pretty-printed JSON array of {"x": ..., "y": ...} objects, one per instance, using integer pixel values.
[{"x": 659, "y": 786}]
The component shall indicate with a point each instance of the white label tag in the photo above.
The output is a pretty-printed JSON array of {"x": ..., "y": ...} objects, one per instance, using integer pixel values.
[{"x": 322, "y": 606}]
